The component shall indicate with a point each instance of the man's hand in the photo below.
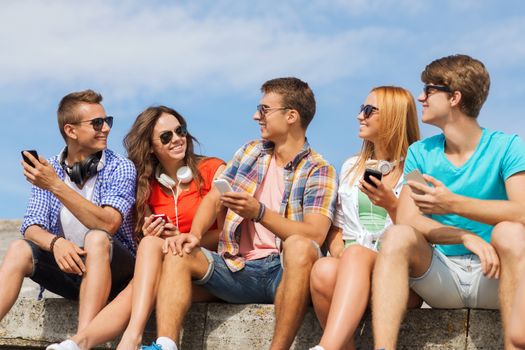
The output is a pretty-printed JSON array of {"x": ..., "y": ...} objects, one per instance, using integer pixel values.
[
  {"x": 382, "y": 195},
  {"x": 432, "y": 200},
  {"x": 241, "y": 203},
  {"x": 67, "y": 255},
  {"x": 490, "y": 265},
  {"x": 42, "y": 174},
  {"x": 180, "y": 244}
]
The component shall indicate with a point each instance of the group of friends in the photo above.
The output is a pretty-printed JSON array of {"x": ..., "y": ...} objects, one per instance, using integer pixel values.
[{"x": 152, "y": 230}]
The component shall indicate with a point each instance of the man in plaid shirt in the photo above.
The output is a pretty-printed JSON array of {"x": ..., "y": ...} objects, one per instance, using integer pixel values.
[
  {"x": 282, "y": 191},
  {"x": 78, "y": 225}
]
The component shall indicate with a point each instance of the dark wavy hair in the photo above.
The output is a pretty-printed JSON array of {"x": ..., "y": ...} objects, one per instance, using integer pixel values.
[{"x": 138, "y": 144}]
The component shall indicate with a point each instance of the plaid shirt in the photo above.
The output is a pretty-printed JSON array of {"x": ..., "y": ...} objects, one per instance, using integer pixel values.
[
  {"x": 114, "y": 187},
  {"x": 310, "y": 188}
]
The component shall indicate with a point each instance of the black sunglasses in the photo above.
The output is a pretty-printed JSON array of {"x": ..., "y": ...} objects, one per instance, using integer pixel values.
[
  {"x": 367, "y": 110},
  {"x": 165, "y": 137},
  {"x": 98, "y": 123},
  {"x": 264, "y": 110},
  {"x": 429, "y": 89}
]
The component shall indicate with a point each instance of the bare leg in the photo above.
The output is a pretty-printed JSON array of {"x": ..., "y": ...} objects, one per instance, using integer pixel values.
[
  {"x": 350, "y": 297},
  {"x": 508, "y": 239},
  {"x": 109, "y": 323},
  {"x": 177, "y": 273},
  {"x": 148, "y": 268},
  {"x": 17, "y": 264},
  {"x": 404, "y": 252},
  {"x": 517, "y": 321},
  {"x": 293, "y": 292},
  {"x": 96, "y": 282},
  {"x": 322, "y": 285}
]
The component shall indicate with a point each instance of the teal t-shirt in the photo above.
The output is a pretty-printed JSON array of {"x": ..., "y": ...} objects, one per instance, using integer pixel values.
[{"x": 497, "y": 157}]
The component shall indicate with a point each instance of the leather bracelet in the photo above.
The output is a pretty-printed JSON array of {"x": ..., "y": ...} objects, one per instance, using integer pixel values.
[
  {"x": 260, "y": 214},
  {"x": 53, "y": 241}
]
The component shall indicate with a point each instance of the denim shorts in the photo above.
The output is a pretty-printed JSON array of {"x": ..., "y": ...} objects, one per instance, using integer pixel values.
[
  {"x": 454, "y": 282},
  {"x": 47, "y": 273},
  {"x": 255, "y": 283}
]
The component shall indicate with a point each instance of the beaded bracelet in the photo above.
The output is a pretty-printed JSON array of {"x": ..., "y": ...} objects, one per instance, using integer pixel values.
[
  {"x": 260, "y": 214},
  {"x": 53, "y": 241}
]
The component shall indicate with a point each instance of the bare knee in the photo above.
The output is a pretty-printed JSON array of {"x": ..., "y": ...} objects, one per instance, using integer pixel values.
[
  {"x": 97, "y": 241},
  {"x": 357, "y": 255},
  {"x": 323, "y": 275},
  {"x": 299, "y": 252},
  {"x": 508, "y": 238},
  {"x": 150, "y": 244},
  {"x": 399, "y": 240},
  {"x": 19, "y": 257}
]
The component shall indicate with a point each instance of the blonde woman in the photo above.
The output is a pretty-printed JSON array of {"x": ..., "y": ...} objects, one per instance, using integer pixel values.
[{"x": 340, "y": 283}]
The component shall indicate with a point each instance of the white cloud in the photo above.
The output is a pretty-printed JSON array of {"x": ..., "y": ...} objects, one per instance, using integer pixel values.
[{"x": 168, "y": 46}]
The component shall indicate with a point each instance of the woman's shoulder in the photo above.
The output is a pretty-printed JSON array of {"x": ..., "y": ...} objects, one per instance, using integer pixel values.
[
  {"x": 208, "y": 166},
  {"x": 349, "y": 163}
]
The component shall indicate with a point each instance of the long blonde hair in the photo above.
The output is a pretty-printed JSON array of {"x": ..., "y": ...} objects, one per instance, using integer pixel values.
[{"x": 398, "y": 128}]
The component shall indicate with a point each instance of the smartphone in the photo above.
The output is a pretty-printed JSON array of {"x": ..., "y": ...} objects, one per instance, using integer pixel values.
[
  {"x": 223, "y": 186},
  {"x": 415, "y": 175},
  {"x": 162, "y": 216},
  {"x": 372, "y": 173},
  {"x": 33, "y": 153}
]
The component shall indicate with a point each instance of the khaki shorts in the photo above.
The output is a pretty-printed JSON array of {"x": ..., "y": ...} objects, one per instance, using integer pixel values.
[{"x": 454, "y": 282}]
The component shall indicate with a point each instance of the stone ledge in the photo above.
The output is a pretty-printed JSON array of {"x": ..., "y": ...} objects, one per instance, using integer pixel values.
[{"x": 34, "y": 324}]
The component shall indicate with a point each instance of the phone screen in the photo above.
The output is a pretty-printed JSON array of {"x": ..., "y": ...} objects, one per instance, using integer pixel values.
[{"x": 26, "y": 159}]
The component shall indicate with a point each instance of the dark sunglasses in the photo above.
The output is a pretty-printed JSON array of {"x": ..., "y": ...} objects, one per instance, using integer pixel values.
[
  {"x": 98, "y": 123},
  {"x": 429, "y": 89},
  {"x": 367, "y": 110},
  {"x": 263, "y": 110},
  {"x": 165, "y": 137}
]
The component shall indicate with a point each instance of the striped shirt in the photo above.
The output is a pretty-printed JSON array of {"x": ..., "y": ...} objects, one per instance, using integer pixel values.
[
  {"x": 114, "y": 187},
  {"x": 310, "y": 187}
]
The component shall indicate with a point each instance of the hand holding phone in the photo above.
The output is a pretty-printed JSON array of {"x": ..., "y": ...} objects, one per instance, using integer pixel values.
[
  {"x": 223, "y": 186},
  {"x": 26, "y": 159},
  {"x": 415, "y": 175},
  {"x": 372, "y": 173}
]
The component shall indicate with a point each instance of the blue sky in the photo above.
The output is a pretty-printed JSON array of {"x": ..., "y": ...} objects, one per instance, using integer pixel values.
[{"x": 207, "y": 59}]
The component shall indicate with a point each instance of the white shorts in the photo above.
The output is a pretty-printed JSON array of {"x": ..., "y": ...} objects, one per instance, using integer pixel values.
[{"x": 454, "y": 282}]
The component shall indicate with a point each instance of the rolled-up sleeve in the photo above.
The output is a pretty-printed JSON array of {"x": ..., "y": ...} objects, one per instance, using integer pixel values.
[
  {"x": 38, "y": 210},
  {"x": 321, "y": 192}
]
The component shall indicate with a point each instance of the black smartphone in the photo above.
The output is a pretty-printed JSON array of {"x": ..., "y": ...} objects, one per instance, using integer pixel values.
[
  {"x": 33, "y": 153},
  {"x": 372, "y": 173}
]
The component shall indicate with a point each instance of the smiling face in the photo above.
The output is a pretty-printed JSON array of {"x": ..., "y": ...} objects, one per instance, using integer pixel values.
[
  {"x": 88, "y": 140},
  {"x": 436, "y": 106},
  {"x": 272, "y": 121},
  {"x": 175, "y": 149},
  {"x": 369, "y": 128}
]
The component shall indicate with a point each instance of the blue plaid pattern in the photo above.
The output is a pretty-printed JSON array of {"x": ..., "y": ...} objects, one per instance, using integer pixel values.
[
  {"x": 115, "y": 187},
  {"x": 310, "y": 188}
]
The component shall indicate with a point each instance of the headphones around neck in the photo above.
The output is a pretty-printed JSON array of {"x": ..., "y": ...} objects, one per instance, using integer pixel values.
[
  {"x": 184, "y": 176},
  {"x": 80, "y": 172},
  {"x": 384, "y": 166}
]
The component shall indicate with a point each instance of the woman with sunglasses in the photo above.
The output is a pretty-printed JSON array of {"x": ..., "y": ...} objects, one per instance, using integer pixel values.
[
  {"x": 171, "y": 182},
  {"x": 340, "y": 283}
]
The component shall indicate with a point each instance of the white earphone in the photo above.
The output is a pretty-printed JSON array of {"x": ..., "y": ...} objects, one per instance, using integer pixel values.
[{"x": 184, "y": 176}]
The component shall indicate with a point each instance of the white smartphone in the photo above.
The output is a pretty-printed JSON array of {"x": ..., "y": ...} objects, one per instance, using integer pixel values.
[
  {"x": 415, "y": 175},
  {"x": 222, "y": 185}
]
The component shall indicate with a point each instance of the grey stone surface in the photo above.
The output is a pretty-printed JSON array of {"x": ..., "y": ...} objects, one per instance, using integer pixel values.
[{"x": 484, "y": 330}]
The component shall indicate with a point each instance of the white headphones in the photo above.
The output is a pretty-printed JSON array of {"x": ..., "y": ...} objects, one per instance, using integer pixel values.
[
  {"x": 184, "y": 176},
  {"x": 384, "y": 166}
]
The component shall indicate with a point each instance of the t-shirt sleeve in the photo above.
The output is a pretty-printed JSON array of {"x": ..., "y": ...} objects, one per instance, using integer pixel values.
[
  {"x": 321, "y": 192},
  {"x": 514, "y": 159},
  {"x": 119, "y": 192}
]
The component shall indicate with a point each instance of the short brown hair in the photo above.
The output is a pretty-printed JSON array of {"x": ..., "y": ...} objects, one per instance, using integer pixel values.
[
  {"x": 67, "y": 108},
  {"x": 296, "y": 94},
  {"x": 464, "y": 74}
]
